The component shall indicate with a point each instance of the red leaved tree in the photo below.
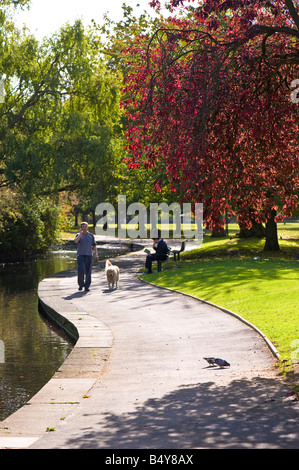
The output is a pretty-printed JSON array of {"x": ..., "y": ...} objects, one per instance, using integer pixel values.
[{"x": 210, "y": 96}]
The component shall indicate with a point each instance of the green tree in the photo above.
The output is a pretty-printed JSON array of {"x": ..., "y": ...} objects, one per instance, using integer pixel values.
[
  {"x": 142, "y": 183},
  {"x": 63, "y": 107},
  {"x": 59, "y": 123}
]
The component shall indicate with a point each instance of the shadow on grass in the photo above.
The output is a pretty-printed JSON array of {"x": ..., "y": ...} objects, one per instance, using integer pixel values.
[{"x": 218, "y": 274}]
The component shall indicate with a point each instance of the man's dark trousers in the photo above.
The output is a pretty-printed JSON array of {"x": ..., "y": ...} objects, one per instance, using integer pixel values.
[{"x": 84, "y": 265}]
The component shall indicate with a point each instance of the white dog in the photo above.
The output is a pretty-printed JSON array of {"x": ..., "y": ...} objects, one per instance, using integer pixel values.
[{"x": 112, "y": 274}]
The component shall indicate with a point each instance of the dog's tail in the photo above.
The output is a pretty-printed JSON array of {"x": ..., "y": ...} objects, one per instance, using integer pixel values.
[{"x": 108, "y": 264}]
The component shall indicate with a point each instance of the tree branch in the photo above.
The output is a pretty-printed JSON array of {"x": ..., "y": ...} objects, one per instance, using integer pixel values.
[
  {"x": 269, "y": 30},
  {"x": 293, "y": 12},
  {"x": 69, "y": 187},
  {"x": 34, "y": 98}
]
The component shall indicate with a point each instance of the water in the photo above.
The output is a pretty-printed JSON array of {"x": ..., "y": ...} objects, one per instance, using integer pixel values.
[{"x": 33, "y": 348}]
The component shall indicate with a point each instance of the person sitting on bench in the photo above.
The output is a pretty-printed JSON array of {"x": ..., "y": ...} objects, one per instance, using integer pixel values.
[{"x": 161, "y": 253}]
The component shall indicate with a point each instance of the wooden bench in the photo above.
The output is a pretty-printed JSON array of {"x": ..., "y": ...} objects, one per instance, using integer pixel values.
[
  {"x": 176, "y": 251},
  {"x": 160, "y": 261}
]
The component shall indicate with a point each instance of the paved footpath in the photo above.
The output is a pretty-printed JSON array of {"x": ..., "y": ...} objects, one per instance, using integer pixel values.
[{"x": 136, "y": 378}]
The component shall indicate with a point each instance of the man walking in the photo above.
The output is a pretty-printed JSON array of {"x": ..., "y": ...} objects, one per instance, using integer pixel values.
[{"x": 86, "y": 244}]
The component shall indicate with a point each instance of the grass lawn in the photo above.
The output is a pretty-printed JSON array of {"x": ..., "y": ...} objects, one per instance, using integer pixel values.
[{"x": 236, "y": 274}]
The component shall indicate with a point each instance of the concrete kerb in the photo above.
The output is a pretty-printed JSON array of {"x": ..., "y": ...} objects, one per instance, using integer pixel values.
[
  {"x": 243, "y": 320},
  {"x": 72, "y": 382}
]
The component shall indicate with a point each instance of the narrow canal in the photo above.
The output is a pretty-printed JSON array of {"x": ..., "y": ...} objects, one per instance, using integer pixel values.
[{"x": 31, "y": 349}]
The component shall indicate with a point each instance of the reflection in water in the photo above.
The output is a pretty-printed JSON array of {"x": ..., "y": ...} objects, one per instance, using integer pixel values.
[{"x": 33, "y": 350}]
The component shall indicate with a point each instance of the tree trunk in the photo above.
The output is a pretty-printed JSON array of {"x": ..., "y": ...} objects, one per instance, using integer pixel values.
[
  {"x": 221, "y": 234},
  {"x": 76, "y": 217},
  {"x": 271, "y": 233},
  {"x": 94, "y": 219},
  {"x": 257, "y": 230}
]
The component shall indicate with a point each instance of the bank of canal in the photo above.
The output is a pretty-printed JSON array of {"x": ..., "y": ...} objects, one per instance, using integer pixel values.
[{"x": 33, "y": 348}]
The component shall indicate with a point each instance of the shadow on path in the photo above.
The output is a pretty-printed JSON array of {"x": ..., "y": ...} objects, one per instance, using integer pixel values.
[{"x": 239, "y": 415}]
